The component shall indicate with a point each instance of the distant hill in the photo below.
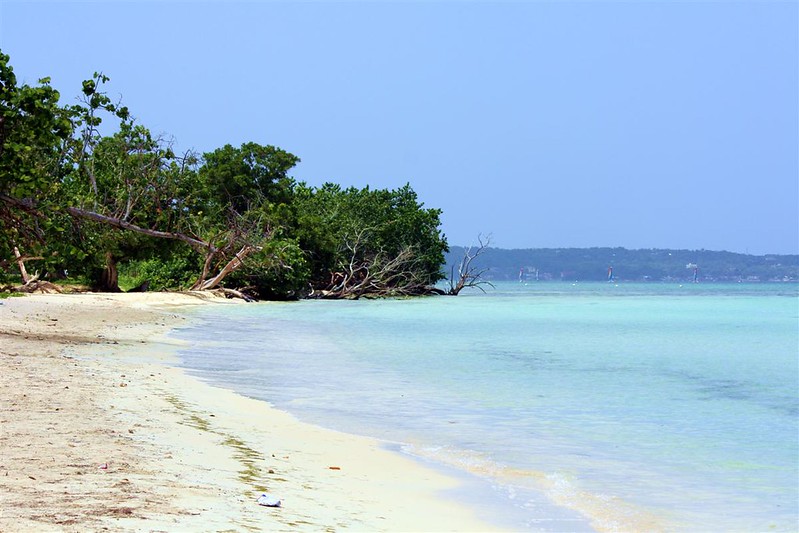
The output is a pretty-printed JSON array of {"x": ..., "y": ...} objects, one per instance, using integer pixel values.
[{"x": 592, "y": 264}]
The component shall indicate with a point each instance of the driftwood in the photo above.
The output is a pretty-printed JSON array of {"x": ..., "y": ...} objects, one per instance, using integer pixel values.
[
  {"x": 232, "y": 293},
  {"x": 144, "y": 287},
  {"x": 374, "y": 275},
  {"x": 34, "y": 285}
]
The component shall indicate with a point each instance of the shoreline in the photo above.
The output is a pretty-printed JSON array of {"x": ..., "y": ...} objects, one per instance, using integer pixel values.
[{"x": 101, "y": 431}]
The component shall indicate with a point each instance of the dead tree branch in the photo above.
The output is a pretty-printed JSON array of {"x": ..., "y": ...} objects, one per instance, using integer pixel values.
[{"x": 468, "y": 274}]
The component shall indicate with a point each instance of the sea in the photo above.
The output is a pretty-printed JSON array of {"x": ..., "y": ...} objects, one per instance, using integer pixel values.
[{"x": 561, "y": 406}]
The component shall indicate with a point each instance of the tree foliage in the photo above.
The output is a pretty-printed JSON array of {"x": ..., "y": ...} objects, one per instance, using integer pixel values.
[
  {"x": 370, "y": 241},
  {"x": 86, "y": 190}
]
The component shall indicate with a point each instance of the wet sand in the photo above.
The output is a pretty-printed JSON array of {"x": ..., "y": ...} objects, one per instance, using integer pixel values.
[{"x": 98, "y": 431}]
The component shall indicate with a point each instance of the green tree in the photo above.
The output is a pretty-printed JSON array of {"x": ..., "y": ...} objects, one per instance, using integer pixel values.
[
  {"x": 126, "y": 178},
  {"x": 84, "y": 188},
  {"x": 34, "y": 134},
  {"x": 370, "y": 242},
  {"x": 239, "y": 177},
  {"x": 242, "y": 208}
]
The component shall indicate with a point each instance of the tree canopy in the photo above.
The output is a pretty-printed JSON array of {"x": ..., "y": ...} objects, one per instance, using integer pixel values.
[{"x": 89, "y": 194}]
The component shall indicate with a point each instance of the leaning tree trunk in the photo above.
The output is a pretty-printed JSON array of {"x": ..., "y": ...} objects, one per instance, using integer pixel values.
[
  {"x": 109, "y": 279},
  {"x": 203, "y": 285},
  {"x": 21, "y": 264}
]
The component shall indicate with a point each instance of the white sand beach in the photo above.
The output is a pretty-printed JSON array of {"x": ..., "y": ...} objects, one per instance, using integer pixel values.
[{"x": 98, "y": 431}]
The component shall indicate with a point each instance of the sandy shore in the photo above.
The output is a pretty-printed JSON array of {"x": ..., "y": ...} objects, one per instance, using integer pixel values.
[{"x": 97, "y": 432}]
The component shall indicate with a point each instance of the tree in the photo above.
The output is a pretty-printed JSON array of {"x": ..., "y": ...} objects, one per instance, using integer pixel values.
[
  {"x": 34, "y": 131},
  {"x": 125, "y": 183},
  {"x": 370, "y": 242},
  {"x": 85, "y": 188},
  {"x": 103, "y": 198},
  {"x": 243, "y": 204},
  {"x": 235, "y": 177}
]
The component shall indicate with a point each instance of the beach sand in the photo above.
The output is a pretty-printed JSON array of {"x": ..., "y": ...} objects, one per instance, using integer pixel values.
[{"x": 98, "y": 431}]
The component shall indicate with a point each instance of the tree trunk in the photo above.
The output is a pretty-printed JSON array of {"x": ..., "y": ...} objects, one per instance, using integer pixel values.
[
  {"x": 232, "y": 265},
  {"x": 109, "y": 280},
  {"x": 209, "y": 257},
  {"x": 21, "y": 264}
]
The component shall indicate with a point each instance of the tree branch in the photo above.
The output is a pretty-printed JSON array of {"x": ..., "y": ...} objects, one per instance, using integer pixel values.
[
  {"x": 468, "y": 276},
  {"x": 118, "y": 223}
]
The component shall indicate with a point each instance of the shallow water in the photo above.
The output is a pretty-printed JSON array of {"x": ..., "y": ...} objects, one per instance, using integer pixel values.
[{"x": 615, "y": 407}]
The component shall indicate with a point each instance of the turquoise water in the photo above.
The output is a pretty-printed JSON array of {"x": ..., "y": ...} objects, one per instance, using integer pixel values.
[{"x": 578, "y": 406}]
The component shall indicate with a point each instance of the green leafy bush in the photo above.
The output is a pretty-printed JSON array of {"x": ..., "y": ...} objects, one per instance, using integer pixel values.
[
  {"x": 175, "y": 272},
  {"x": 280, "y": 271}
]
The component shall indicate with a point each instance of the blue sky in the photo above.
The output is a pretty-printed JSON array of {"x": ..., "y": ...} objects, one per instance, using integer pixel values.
[{"x": 546, "y": 124}]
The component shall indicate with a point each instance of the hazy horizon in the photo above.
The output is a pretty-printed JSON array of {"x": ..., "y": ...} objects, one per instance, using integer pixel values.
[
  {"x": 670, "y": 125},
  {"x": 602, "y": 247}
]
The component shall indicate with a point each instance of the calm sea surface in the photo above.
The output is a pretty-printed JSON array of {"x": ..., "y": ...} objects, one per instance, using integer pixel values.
[{"x": 567, "y": 406}]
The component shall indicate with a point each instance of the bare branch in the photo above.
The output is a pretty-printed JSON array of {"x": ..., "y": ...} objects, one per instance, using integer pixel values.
[
  {"x": 468, "y": 275},
  {"x": 119, "y": 223}
]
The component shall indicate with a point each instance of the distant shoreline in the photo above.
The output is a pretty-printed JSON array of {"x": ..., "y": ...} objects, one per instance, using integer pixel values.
[{"x": 598, "y": 264}]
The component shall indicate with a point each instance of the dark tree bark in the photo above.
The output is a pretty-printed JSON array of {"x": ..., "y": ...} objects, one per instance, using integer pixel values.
[{"x": 109, "y": 279}]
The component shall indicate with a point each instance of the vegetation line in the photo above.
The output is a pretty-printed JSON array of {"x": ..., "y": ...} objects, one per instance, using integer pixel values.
[{"x": 88, "y": 194}]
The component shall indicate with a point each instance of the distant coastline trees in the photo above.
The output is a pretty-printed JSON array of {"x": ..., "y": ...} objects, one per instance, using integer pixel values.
[
  {"x": 87, "y": 193},
  {"x": 591, "y": 264}
]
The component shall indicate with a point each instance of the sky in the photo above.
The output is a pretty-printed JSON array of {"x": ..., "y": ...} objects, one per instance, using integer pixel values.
[{"x": 640, "y": 124}]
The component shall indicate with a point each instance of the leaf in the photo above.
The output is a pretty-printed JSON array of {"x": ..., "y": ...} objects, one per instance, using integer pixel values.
[{"x": 89, "y": 87}]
